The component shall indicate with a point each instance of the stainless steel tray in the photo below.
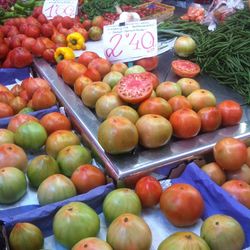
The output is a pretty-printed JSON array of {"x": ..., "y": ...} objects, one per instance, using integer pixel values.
[{"x": 143, "y": 160}]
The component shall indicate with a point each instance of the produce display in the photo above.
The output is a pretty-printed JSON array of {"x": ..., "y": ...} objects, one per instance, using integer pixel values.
[{"x": 45, "y": 158}]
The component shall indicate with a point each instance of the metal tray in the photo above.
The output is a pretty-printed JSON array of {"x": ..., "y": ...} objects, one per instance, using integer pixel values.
[{"x": 143, "y": 160}]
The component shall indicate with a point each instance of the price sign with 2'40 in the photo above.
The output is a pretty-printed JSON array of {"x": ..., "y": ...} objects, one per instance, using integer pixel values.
[
  {"x": 52, "y": 8},
  {"x": 134, "y": 39}
]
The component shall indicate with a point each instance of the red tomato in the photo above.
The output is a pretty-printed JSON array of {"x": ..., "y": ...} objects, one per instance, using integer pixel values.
[
  {"x": 210, "y": 119},
  {"x": 185, "y": 68},
  {"x": 149, "y": 191},
  {"x": 87, "y": 24},
  {"x": 47, "y": 30},
  {"x": 102, "y": 65},
  {"x": 179, "y": 102},
  {"x": 43, "y": 98},
  {"x": 48, "y": 55},
  {"x": 20, "y": 57},
  {"x": 182, "y": 204},
  {"x": 231, "y": 112},
  {"x": 60, "y": 66},
  {"x": 32, "y": 31},
  {"x": 16, "y": 89},
  {"x": 155, "y": 80},
  {"x": 29, "y": 43},
  {"x": 80, "y": 83},
  {"x": 38, "y": 48},
  {"x": 17, "y": 104},
  {"x": 86, "y": 57},
  {"x": 55, "y": 121},
  {"x": 87, "y": 177},
  {"x": 149, "y": 63},
  {"x": 93, "y": 74},
  {"x": 67, "y": 22},
  {"x": 5, "y": 110},
  {"x": 230, "y": 153},
  {"x": 185, "y": 122},
  {"x": 240, "y": 190},
  {"x": 4, "y": 49},
  {"x": 42, "y": 19},
  {"x": 134, "y": 88},
  {"x": 98, "y": 21}
]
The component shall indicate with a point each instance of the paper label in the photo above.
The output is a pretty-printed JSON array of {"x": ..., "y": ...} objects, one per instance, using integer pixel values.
[
  {"x": 134, "y": 39},
  {"x": 52, "y": 8}
]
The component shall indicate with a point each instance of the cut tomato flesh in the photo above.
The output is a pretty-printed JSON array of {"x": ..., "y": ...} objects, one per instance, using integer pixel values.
[
  {"x": 185, "y": 68},
  {"x": 134, "y": 88}
]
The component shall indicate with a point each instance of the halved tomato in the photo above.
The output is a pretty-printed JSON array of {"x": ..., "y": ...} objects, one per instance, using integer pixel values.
[
  {"x": 134, "y": 88},
  {"x": 185, "y": 68}
]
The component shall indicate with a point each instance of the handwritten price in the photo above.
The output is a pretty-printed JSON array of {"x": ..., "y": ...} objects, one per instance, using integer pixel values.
[
  {"x": 133, "y": 40},
  {"x": 146, "y": 41},
  {"x": 57, "y": 10}
]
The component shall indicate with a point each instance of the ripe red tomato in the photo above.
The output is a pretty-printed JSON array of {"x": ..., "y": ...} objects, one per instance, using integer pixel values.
[
  {"x": 231, "y": 112},
  {"x": 185, "y": 68},
  {"x": 93, "y": 74},
  {"x": 86, "y": 57},
  {"x": 155, "y": 80},
  {"x": 67, "y": 22},
  {"x": 149, "y": 63},
  {"x": 230, "y": 153},
  {"x": 48, "y": 55},
  {"x": 240, "y": 190},
  {"x": 5, "y": 110},
  {"x": 43, "y": 98},
  {"x": 80, "y": 83},
  {"x": 20, "y": 57},
  {"x": 55, "y": 121},
  {"x": 38, "y": 48},
  {"x": 4, "y": 49},
  {"x": 32, "y": 31},
  {"x": 86, "y": 24},
  {"x": 210, "y": 119},
  {"x": 102, "y": 65},
  {"x": 98, "y": 21},
  {"x": 29, "y": 43},
  {"x": 149, "y": 191},
  {"x": 182, "y": 204},
  {"x": 179, "y": 102},
  {"x": 134, "y": 88},
  {"x": 47, "y": 30},
  {"x": 87, "y": 177},
  {"x": 185, "y": 122},
  {"x": 60, "y": 66}
]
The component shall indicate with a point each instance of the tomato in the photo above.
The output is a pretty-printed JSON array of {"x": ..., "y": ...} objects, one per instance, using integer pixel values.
[
  {"x": 93, "y": 74},
  {"x": 56, "y": 20},
  {"x": 72, "y": 72},
  {"x": 240, "y": 190},
  {"x": 231, "y": 112},
  {"x": 48, "y": 55},
  {"x": 29, "y": 43},
  {"x": 86, "y": 24},
  {"x": 4, "y": 50},
  {"x": 112, "y": 78},
  {"x": 5, "y": 110},
  {"x": 42, "y": 19},
  {"x": 12, "y": 155},
  {"x": 149, "y": 191},
  {"x": 43, "y": 98},
  {"x": 106, "y": 103},
  {"x": 55, "y": 121},
  {"x": 32, "y": 31},
  {"x": 120, "y": 67},
  {"x": 182, "y": 204},
  {"x": 91, "y": 243},
  {"x": 230, "y": 153},
  {"x": 129, "y": 231},
  {"x": 134, "y": 88},
  {"x": 59, "y": 39},
  {"x": 47, "y": 30},
  {"x": 184, "y": 46},
  {"x": 13, "y": 185},
  {"x": 214, "y": 171},
  {"x": 185, "y": 68},
  {"x": 25, "y": 236},
  {"x": 167, "y": 90},
  {"x": 18, "y": 120},
  {"x": 47, "y": 42},
  {"x": 120, "y": 201},
  {"x": 102, "y": 65},
  {"x": 149, "y": 63},
  {"x": 136, "y": 69},
  {"x": 125, "y": 111},
  {"x": 98, "y": 21},
  {"x": 60, "y": 66},
  {"x": 155, "y": 80},
  {"x": 223, "y": 232},
  {"x": 201, "y": 98},
  {"x": 6, "y": 97},
  {"x": 179, "y": 102},
  {"x": 20, "y": 57},
  {"x": 117, "y": 135},
  {"x": 210, "y": 119},
  {"x": 183, "y": 240},
  {"x": 188, "y": 85},
  {"x": 92, "y": 92},
  {"x": 18, "y": 103},
  {"x": 6, "y": 136},
  {"x": 38, "y": 48},
  {"x": 242, "y": 174},
  {"x": 59, "y": 140},
  {"x": 80, "y": 83},
  {"x": 95, "y": 33},
  {"x": 24, "y": 94},
  {"x": 186, "y": 123},
  {"x": 87, "y": 177},
  {"x": 155, "y": 105},
  {"x": 86, "y": 57},
  {"x": 40, "y": 168},
  {"x": 67, "y": 22}
]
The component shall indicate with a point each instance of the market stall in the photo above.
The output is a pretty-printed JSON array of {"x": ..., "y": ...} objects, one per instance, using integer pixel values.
[{"x": 75, "y": 159}]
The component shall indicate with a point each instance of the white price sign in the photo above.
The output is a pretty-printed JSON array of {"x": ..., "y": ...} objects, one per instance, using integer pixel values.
[
  {"x": 52, "y": 8},
  {"x": 134, "y": 39}
]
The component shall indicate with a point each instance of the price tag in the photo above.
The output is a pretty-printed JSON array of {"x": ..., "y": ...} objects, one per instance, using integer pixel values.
[
  {"x": 135, "y": 39},
  {"x": 52, "y": 8}
]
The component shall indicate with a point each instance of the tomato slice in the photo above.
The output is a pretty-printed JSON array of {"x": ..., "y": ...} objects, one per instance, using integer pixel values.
[
  {"x": 135, "y": 88},
  {"x": 185, "y": 68}
]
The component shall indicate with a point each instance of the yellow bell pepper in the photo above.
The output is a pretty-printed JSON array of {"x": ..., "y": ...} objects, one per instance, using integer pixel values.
[
  {"x": 75, "y": 41},
  {"x": 62, "y": 53}
]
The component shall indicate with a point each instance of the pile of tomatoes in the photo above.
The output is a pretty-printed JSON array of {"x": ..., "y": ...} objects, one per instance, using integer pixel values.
[{"x": 22, "y": 38}]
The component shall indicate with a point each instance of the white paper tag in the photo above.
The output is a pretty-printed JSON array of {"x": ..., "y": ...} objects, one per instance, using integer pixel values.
[
  {"x": 52, "y": 8},
  {"x": 134, "y": 39}
]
